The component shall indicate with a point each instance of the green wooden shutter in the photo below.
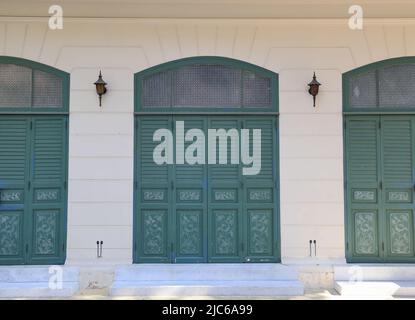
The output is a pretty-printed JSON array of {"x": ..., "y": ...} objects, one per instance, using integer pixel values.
[
  {"x": 33, "y": 153},
  {"x": 48, "y": 189},
  {"x": 398, "y": 182},
  {"x": 14, "y": 147},
  {"x": 210, "y": 212},
  {"x": 226, "y": 242},
  {"x": 380, "y": 187},
  {"x": 362, "y": 143},
  {"x": 189, "y": 202},
  {"x": 259, "y": 194},
  {"x": 154, "y": 194}
]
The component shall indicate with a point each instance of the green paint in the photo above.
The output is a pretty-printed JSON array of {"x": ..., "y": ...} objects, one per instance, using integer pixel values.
[
  {"x": 33, "y": 174},
  {"x": 33, "y": 157},
  {"x": 203, "y": 213},
  {"x": 207, "y": 60},
  {"x": 36, "y": 66},
  {"x": 380, "y": 158},
  {"x": 376, "y": 68}
]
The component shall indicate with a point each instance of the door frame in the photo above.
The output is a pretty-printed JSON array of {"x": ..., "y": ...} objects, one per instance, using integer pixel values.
[
  {"x": 31, "y": 113},
  {"x": 382, "y": 207},
  {"x": 350, "y": 110},
  {"x": 140, "y": 111}
]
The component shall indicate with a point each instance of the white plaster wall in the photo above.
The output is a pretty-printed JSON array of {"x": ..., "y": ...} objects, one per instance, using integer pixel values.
[{"x": 101, "y": 139}]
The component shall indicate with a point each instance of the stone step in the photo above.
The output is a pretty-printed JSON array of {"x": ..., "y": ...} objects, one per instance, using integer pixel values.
[
  {"x": 37, "y": 273},
  {"x": 375, "y": 288},
  {"x": 362, "y": 272},
  {"x": 207, "y": 288},
  {"x": 36, "y": 290},
  {"x": 205, "y": 272},
  {"x": 33, "y": 281}
]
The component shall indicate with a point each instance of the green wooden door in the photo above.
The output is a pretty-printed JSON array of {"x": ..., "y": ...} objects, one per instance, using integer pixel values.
[
  {"x": 260, "y": 194},
  {"x": 201, "y": 212},
  {"x": 379, "y": 188},
  {"x": 226, "y": 200},
  {"x": 153, "y": 210},
  {"x": 189, "y": 197},
  {"x": 14, "y": 172},
  {"x": 33, "y": 161}
]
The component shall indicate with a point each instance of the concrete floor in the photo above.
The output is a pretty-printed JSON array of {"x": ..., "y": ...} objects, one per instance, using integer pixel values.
[{"x": 309, "y": 295}]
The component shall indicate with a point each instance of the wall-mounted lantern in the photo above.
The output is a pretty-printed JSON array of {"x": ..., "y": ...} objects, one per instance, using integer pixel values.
[
  {"x": 100, "y": 87},
  {"x": 314, "y": 86}
]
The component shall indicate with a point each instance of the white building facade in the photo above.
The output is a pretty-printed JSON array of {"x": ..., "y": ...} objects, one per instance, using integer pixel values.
[{"x": 311, "y": 150}]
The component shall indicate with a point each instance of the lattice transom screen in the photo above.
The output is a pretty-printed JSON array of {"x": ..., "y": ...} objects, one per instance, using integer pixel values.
[
  {"x": 23, "y": 87},
  {"x": 386, "y": 87},
  {"x": 206, "y": 85}
]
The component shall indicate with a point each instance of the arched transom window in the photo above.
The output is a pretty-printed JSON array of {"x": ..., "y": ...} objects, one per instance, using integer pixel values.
[
  {"x": 30, "y": 86},
  {"x": 384, "y": 85},
  {"x": 206, "y": 84}
]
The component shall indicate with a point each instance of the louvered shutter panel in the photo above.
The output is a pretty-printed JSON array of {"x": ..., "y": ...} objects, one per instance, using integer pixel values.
[
  {"x": 259, "y": 193},
  {"x": 225, "y": 200},
  {"x": 189, "y": 201},
  {"x": 362, "y": 143},
  {"x": 13, "y": 189},
  {"x": 154, "y": 193},
  {"x": 397, "y": 153},
  {"x": 48, "y": 172}
]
